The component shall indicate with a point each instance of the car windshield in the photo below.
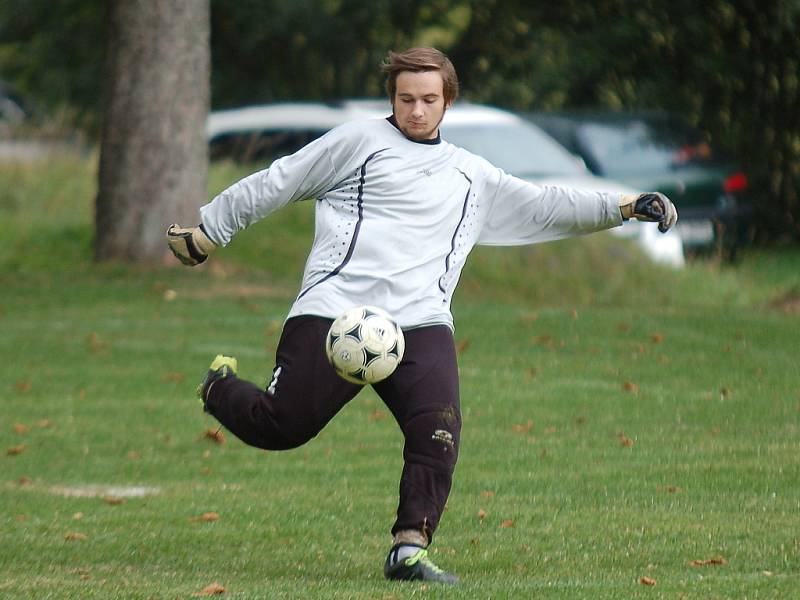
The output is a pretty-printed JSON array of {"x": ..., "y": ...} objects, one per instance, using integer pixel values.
[
  {"x": 639, "y": 146},
  {"x": 518, "y": 148}
]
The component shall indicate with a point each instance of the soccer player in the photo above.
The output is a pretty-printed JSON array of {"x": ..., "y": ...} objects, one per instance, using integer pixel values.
[{"x": 398, "y": 210}]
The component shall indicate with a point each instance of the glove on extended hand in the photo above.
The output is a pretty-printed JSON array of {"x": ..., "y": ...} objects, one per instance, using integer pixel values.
[
  {"x": 190, "y": 244},
  {"x": 650, "y": 206}
]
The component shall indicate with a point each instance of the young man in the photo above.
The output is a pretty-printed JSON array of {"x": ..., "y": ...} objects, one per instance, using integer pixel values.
[{"x": 398, "y": 210}]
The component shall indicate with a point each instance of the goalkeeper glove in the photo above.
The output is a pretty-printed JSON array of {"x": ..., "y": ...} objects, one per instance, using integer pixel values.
[
  {"x": 190, "y": 244},
  {"x": 650, "y": 206}
]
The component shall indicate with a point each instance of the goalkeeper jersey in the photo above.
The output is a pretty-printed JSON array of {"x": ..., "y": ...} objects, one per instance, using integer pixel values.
[{"x": 396, "y": 218}]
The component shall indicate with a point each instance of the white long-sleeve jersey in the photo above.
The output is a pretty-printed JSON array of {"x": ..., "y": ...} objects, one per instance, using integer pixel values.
[{"x": 396, "y": 218}]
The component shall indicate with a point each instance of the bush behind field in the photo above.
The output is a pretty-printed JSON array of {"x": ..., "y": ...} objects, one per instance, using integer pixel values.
[{"x": 47, "y": 212}]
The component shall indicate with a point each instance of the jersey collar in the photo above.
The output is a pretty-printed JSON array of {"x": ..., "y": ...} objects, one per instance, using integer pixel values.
[{"x": 436, "y": 140}]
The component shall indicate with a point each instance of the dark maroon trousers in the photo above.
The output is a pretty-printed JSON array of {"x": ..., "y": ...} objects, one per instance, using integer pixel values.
[{"x": 305, "y": 393}]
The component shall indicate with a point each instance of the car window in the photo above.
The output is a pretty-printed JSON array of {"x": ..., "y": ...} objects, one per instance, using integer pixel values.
[
  {"x": 263, "y": 145},
  {"x": 518, "y": 148},
  {"x": 640, "y": 146}
]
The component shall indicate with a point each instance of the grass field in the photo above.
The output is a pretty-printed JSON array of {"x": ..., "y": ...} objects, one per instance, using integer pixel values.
[{"x": 629, "y": 432}]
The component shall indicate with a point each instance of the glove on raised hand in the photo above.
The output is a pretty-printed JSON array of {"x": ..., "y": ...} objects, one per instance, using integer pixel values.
[
  {"x": 190, "y": 244},
  {"x": 650, "y": 206}
]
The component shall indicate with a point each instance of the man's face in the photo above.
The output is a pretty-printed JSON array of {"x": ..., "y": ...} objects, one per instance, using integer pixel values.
[{"x": 419, "y": 104}]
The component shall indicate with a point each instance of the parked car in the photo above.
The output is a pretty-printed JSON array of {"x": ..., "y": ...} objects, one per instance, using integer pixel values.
[
  {"x": 658, "y": 151},
  {"x": 13, "y": 110},
  {"x": 505, "y": 139}
]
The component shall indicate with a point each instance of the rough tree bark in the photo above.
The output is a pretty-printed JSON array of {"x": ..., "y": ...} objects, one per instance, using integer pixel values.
[{"x": 153, "y": 156}]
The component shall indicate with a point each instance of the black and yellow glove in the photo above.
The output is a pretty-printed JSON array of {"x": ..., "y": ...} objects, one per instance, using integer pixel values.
[
  {"x": 190, "y": 244},
  {"x": 650, "y": 206}
]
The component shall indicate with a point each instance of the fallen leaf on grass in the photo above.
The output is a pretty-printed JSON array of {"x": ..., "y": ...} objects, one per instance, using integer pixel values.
[
  {"x": 77, "y": 516},
  {"x": 718, "y": 560},
  {"x": 97, "y": 345},
  {"x": 173, "y": 377},
  {"x": 44, "y": 423},
  {"x": 24, "y": 480},
  {"x": 625, "y": 441},
  {"x": 207, "y": 517},
  {"x": 215, "y": 435},
  {"x": 482, "y": 514},
  {"x": 377, "y": 415},
  {"x": 462, "y": 346},
  {"x": 21, "y": 428},
  {"x": 210, "y": 590},
  {"x": 507, "y": 523},
  {"x": 647, "y": 581},
  {"x": 487, "y": 494},
  {"x": 76, "y": 537},
  {"x": 656, "y": 337},
  {"x": 15, "y": 450},
  {"x": 522, "y": 427},
  {"x": 113, "y": 500},
  {"x": 630, "y": 387},
  {"x": 23, "y": 385}
]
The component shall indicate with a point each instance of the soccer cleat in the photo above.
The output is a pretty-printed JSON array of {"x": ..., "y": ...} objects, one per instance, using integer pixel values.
[
  {"x": 417, "y": 567},
  {"x": 220, "y": 368}
]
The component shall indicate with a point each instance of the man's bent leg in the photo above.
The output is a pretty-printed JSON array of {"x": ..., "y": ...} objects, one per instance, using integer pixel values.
[{"x": 304, "y": 394}]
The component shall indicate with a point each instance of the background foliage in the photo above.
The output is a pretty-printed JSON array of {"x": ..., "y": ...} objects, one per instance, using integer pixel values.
[{"x": 729, "y": 66}]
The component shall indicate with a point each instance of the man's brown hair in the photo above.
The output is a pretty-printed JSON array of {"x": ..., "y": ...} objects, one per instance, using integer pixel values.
[{"x": 418, "y": 60}]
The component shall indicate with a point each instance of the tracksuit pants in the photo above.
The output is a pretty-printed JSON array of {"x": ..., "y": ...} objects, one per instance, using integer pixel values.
[{"x": 305, "y": 394}]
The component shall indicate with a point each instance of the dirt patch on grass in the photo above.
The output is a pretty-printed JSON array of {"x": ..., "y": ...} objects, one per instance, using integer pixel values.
[
  {"x": 787, "y": 303},
  {"x": 103, "y": 491}
]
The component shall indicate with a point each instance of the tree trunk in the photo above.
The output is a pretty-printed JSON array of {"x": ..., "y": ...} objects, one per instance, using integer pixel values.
[{"x": 153, "y": 156}]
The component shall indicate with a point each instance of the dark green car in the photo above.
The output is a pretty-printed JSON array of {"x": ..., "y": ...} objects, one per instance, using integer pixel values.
[{"x": 659, "y": 152}]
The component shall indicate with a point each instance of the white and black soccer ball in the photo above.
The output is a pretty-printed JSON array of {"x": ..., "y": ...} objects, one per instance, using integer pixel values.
[{"x": 365, "y": 345}]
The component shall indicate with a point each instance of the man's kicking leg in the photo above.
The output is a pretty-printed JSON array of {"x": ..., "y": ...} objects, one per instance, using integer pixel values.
[{"x": 303, "y": 396}]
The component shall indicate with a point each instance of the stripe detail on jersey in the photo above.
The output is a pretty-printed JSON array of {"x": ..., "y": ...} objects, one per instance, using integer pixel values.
[
  {"x": 356, "y": 230},
  {"x": 455, "y": 233}
]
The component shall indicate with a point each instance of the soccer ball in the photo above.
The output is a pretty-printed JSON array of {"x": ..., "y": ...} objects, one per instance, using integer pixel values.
[{"x": 364, "y": 345}]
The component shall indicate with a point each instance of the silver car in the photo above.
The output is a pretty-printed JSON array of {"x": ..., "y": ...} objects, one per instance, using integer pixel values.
[{"x": 503, "y": 138}]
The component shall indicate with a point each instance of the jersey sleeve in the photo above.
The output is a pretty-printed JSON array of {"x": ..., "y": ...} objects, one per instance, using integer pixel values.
[
  {"x": 521, "y": 212},
  {"x": 308, "y": 173}
]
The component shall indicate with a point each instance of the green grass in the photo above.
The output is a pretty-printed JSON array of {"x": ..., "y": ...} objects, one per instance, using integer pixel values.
[{"x": 620, "y": 421}]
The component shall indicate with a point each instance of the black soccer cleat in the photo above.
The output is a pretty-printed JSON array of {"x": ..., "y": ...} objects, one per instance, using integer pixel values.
[
  {"x": 416, "y": 568},
  {"x": 220, "y": 368}
]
